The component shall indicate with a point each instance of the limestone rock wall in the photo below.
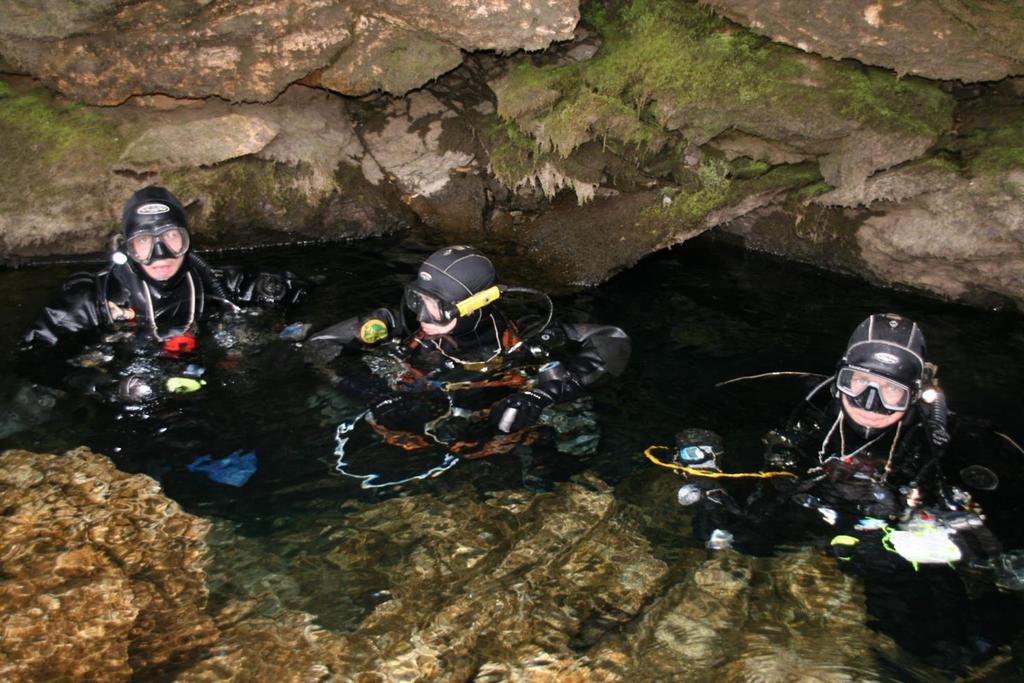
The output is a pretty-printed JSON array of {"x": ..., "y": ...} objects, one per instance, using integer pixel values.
[
  {"x": 839, "y": 133},
  {"x": 964, "y": 41},
  {"x": 105, "y": 51},
  {"x": 244, "y": 172}
]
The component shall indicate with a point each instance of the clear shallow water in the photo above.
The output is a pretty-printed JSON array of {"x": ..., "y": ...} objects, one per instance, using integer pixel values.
[{"x": 698, "y": 315}]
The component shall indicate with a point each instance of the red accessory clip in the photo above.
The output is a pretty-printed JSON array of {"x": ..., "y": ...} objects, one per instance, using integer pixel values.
[{"x": 180, "y": 343}]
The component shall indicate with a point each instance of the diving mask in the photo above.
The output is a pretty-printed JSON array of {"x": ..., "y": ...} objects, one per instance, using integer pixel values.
[
  {"x": 165, "y": 242},
  {"x": 869, "y": 390},
  {"x": 430, "y": 308}
]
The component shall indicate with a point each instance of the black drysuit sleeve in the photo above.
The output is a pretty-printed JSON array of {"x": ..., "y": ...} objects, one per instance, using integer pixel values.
[
  {"x": 344, "y": 336},
  {"x": 77, "y": 308},
  {"x": 600, "y": 350},
  {"x": 245, "y": 288}
]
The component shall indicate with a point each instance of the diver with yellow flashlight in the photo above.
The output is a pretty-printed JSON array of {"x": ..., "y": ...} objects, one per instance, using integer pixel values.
[{"x": 454, "y": 338}]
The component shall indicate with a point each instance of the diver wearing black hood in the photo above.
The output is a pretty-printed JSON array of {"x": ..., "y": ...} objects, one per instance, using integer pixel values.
[
  {"x": 155, "y": 285},
  {"x": 870, "y": 440},
  {"x": 447, "y": 321},
  {"x": 873, "y": 426}
]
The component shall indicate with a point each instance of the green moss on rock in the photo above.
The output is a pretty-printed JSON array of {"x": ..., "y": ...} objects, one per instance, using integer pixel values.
[
  {"x": 783, "y": 176},
  {"x": 247, "y": 193},
  {"x": 716, "y": 184},
  {"x": 994, "y": 151},
  {"x": 687, "y": 209},
  {"x": 807, "y": 192},
  {"x": 675, "y": 64},
  {"x": 513, "y": 154},
  {"x": 516, "y": 157},
  {"x": 881, "y": 100},
  {"x": 38, "y": 134}
]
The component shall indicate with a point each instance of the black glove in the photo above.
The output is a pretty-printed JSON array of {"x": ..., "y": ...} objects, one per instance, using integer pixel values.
[{"x": 520, "y": 410}]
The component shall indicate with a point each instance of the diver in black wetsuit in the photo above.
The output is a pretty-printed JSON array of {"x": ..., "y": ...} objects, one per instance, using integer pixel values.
[
  {"x": 156, "y": 290},
  {"x": 870, "y": 450},
  {"x": 451, "y": 336},
  {"x": 155, "y": 285},
  {"x": 147, "y": 328},
  {"x": 890, "y": 483}
]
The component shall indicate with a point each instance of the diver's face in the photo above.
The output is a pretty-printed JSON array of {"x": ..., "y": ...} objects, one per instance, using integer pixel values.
[
  {"x": 163, "y": 269},
  {"x": 432, "y": 329},
  {"x": 867, "y": 418}
]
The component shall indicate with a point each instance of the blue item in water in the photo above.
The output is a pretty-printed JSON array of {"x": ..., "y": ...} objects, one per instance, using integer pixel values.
[
  {"x": 194, "y": 370},
  {"x": 720, "y": 540},
  {"x": 870, "y": 524},
  {"x": 295, "y": 331},
  {"x": 233, "y": 470}
]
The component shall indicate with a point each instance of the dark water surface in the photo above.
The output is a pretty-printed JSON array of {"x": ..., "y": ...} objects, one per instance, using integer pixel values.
[{"x": 699, "y": 314}]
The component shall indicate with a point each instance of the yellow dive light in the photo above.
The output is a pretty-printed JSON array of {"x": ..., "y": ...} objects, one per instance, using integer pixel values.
[{"x": 478, "y": 300}]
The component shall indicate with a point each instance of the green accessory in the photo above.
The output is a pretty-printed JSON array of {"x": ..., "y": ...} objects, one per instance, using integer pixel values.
[
  {"x": 842, "y": 539},
  {"x": 184, "y": 385},
  {"x": 372, "y": 331}
]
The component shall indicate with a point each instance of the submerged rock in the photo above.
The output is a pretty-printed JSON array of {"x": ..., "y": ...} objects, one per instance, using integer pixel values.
[
  {"x": 510, "y": 584},
  {"x": 102, "y": 575},
  {"x": 737, "y": 618},
  {"x": 102, "y": 579}
]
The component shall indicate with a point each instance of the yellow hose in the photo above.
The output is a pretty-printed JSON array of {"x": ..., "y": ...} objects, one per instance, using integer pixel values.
[{"x": 696, "y": 472}]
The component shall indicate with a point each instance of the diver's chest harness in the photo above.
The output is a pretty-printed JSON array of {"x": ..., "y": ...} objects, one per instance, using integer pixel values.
[{"x": 126, "y": 297}]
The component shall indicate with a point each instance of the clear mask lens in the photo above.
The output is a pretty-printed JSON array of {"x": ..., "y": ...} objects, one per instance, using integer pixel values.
[
  {"x": 854, "y": 382},
  {"x": 169, "y": 242},
  {"x": 427, "y": 307}
]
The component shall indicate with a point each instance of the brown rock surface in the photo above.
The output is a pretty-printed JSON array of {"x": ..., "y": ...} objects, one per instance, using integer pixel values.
[
  {"x": 293, "y": 165},
  {"x": 105, "y": 51},
  {"x": 101, "y": 574},
  {"x": 966, "y": 41},
  {"x": 101, "y": 582},
  {"x": 969, "y": 236},
  {"x": 197, "y": 143},
  {"x": 558, "y": 586}
]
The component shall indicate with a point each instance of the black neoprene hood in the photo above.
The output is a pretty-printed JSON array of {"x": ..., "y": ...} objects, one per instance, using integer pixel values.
[
  {"x": 152, "y": 208},
  {"x": 454, "y": 273},
  {"x": 888, "y": 345}
]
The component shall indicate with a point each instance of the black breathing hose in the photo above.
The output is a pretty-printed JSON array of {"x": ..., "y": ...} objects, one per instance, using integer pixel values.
[{"x": 525, "y": 335}]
